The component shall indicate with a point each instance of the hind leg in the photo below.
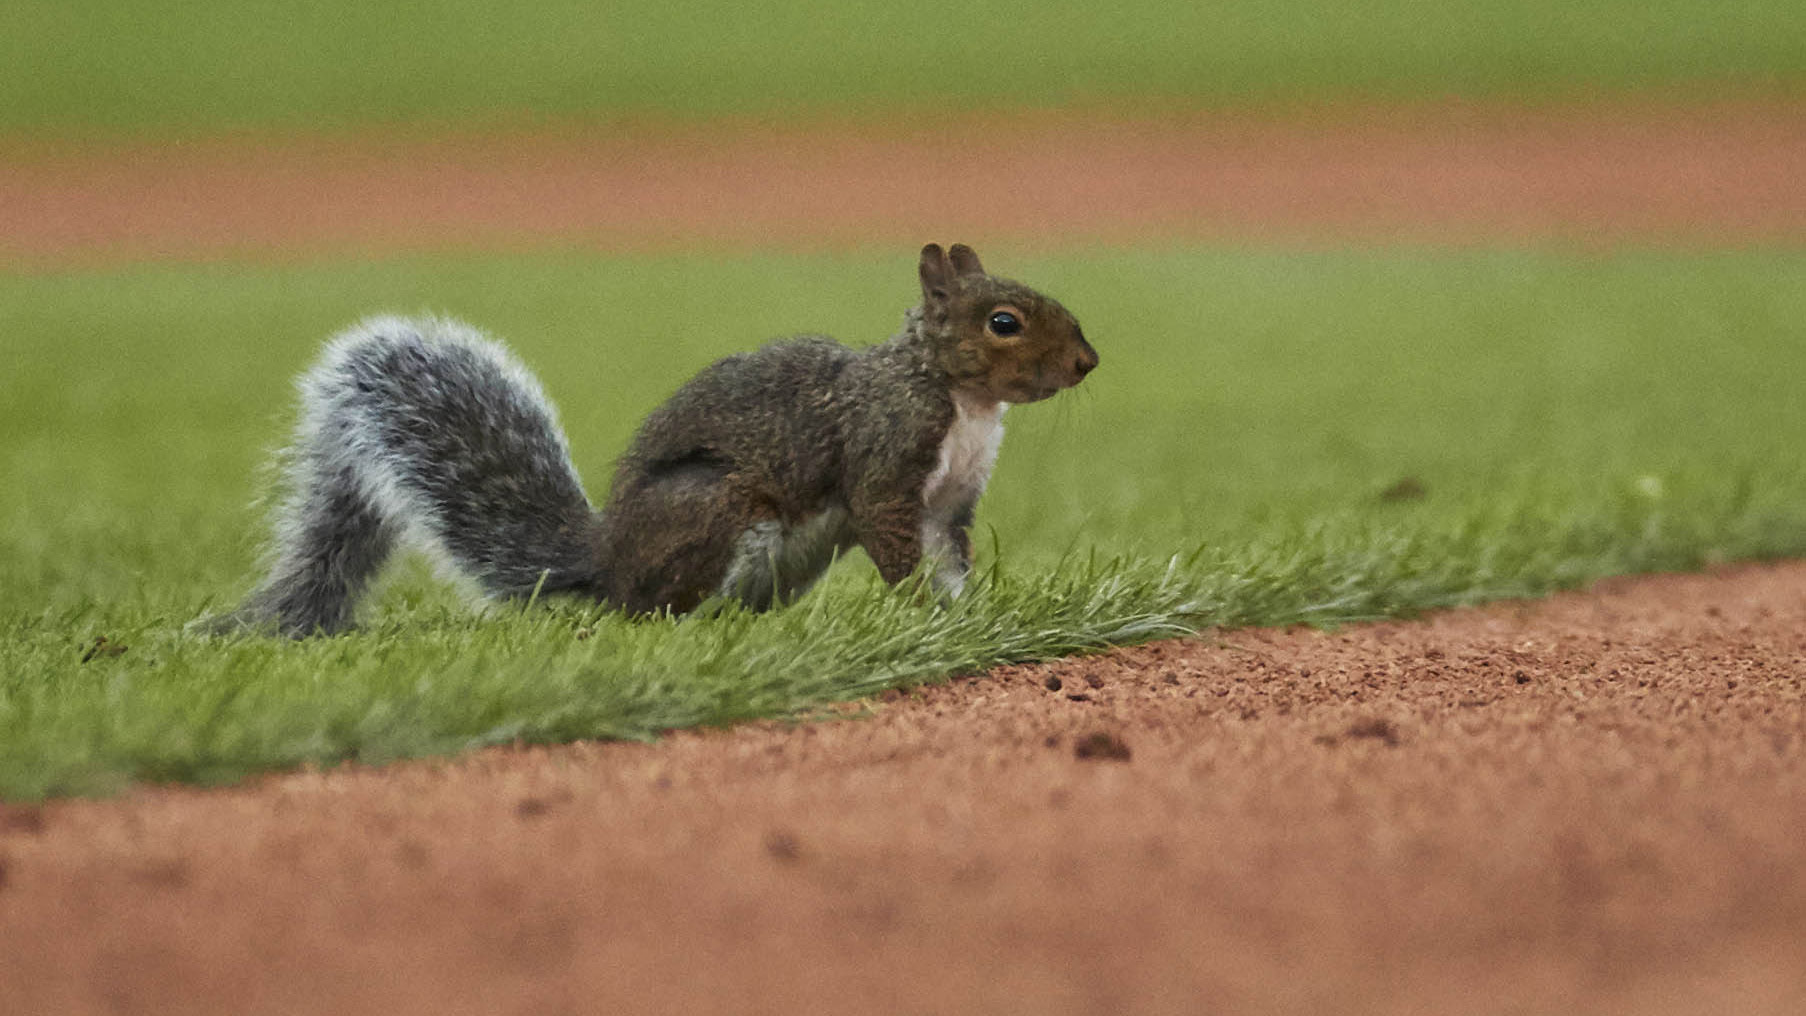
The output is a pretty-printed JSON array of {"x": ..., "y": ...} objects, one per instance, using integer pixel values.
[
  {"x": 776, "y": 563},
  {"x": 687, "y": 532},
  {"x": 669, "y": 536}
]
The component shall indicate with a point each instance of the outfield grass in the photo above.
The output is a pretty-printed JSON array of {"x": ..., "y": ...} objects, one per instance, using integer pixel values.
[
  {"x": 107, "y": 66},
  {"x": 1568, "y": 416}
]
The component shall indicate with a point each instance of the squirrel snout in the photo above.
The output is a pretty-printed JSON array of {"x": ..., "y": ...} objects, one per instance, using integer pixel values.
[{"x": 1086, "y": 361}]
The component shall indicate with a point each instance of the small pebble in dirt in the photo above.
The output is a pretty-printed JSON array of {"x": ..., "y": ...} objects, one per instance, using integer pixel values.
[
  {"x": 1053, "y": 683},
  {"x": 169, "y": 873},
  {"x": 783, "y": 846},
  {"x": 1378, "y": 728},
  {"x": 1102, "y": 745},
  {"x": 21, "y": 818},
  {"x": 1520, "y": 677}
]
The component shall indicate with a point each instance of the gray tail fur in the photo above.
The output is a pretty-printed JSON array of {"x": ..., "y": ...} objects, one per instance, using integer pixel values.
[{"x": 427, "y": 433}]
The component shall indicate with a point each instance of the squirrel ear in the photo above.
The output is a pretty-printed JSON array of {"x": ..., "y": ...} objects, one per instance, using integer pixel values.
[
  {"x": 965, "y": 260},
  {"x": 937, "y": 274}
]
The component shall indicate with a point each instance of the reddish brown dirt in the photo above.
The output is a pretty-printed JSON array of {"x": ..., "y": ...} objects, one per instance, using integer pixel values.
[
  {"x": 1706, "y": 174},
  {"x": 1594, "y": 804}
]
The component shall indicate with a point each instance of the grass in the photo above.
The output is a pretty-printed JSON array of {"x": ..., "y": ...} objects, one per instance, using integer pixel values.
[
  {"x": 85, "y": 67},
  {"x": 1565, "y": 416}
]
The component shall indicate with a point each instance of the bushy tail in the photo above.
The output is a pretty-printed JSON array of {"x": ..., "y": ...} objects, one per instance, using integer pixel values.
[{"x": 423, "y": 432}]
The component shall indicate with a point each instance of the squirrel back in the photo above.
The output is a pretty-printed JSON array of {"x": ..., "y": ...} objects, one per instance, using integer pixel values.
[{"x": 744, "y": 484}]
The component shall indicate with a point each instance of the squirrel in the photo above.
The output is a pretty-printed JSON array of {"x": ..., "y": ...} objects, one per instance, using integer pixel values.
[{"x": 744, "y": 484}]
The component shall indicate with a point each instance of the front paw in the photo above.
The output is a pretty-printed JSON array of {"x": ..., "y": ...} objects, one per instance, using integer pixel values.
[{"x": 948, "y": 580}]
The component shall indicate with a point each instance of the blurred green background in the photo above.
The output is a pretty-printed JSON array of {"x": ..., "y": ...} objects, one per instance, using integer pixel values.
[{"x": 99, "y": 67}]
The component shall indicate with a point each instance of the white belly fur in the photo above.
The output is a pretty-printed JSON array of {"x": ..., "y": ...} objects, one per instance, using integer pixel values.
[{"x": 967, "y": 454}]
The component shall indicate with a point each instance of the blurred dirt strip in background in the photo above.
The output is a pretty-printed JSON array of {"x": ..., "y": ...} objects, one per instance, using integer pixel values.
[{"x": 1699, "y": 174}]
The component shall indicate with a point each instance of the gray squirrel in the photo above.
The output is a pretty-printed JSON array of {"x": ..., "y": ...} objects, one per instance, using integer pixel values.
[{"x": 744, "y": 484}]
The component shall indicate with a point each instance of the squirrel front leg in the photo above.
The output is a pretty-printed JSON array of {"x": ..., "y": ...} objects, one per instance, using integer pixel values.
[
  {"x": 891, "y": 517},
  {"x": 948, "y": 543}
]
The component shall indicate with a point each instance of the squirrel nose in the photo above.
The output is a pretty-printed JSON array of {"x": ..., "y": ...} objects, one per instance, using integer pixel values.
[{"x": 1086, "y": 361}]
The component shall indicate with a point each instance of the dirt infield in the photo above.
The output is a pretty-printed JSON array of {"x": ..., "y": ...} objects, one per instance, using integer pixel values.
[
  {"x": 1594, "y": 804},
  {"x": 1461, "y": 174}
]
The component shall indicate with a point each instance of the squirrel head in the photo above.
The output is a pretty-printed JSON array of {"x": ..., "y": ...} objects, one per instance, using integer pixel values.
[{"x": 996, "y": 338}]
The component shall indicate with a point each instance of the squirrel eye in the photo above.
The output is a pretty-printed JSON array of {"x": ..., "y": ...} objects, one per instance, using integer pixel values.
[{"x": 1004, "y": 323}]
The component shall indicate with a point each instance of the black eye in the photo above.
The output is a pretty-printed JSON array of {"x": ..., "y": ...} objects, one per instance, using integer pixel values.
[{"x": 1005, "y": 323}]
